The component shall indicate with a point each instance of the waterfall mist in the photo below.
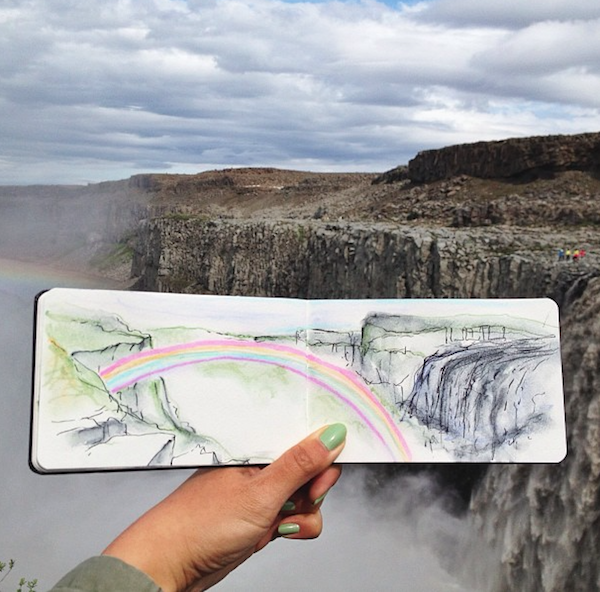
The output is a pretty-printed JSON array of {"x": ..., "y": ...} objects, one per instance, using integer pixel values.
[{"x": 402, "y": 535}]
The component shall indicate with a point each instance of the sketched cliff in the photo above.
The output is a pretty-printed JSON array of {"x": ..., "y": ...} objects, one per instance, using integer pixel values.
[{"x": 478, "y": 392}]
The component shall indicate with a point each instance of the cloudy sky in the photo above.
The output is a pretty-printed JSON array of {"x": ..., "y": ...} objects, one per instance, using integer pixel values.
[{"x": 104, "y": 89}]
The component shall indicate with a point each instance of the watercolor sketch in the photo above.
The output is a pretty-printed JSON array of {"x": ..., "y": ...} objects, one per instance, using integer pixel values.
[{"x": 134, "y": 380}]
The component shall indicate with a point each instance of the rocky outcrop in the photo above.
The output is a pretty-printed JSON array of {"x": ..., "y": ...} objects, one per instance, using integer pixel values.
[
  {"x": 545, "y": 519},
  {"x": 513, "y": 158},
  {"x": 396, "y": 175}
]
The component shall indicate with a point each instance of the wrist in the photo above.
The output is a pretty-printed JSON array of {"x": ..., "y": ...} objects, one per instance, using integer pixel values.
[{"x": 143, "y": 555}]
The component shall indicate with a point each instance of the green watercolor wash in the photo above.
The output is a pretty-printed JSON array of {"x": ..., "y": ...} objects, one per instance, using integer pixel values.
[{"x": 80, "y": 391}]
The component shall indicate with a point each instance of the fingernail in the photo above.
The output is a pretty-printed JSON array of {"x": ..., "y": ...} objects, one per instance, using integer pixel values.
[
  {"x": 319, "y": 499},
  {"x": 289, "y": 528},
  {"x": 333, "y": 436},
  {"x": 288, "y": 506}
]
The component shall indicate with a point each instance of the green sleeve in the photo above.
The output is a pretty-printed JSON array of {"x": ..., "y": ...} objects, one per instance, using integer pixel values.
[{"x": 105, "y": 574}]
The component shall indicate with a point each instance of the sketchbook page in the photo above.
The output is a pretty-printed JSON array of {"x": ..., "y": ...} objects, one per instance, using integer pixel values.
[
  {"x": 137, "y": 379},
  {"x": 439, "y": 380}
]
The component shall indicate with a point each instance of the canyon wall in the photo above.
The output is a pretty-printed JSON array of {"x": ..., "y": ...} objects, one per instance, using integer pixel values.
[
  {"x": 308, "y": 259},
  {"x": 543, "y": 520}
]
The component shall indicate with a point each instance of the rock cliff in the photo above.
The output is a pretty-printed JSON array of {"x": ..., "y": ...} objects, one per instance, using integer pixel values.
[
  {"x": 69, "y": 225},
  {"x": 513, "y": 158},
  {"x": 309, "y": 259},
  {"x": 545, "y": 519}
]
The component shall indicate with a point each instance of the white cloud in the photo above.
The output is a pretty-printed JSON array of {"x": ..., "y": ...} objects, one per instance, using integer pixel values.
[
  {"x": 175, "y": 85},
  {"x": 546, "y": 47}
]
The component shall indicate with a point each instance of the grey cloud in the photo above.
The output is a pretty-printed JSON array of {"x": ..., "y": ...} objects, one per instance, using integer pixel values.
[
  {"x": 176, "y": 83},
  {"x": 548, "y": 62},
  {"x": 503, "y": 14}
]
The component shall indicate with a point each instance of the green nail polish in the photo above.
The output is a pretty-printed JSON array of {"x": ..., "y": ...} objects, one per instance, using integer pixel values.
[
  {"x": 319, "y": 499},
  {"x": 288, "y": 506},
  {"x": 289, "y": 528},
  {"x": 333, "y": 436}
]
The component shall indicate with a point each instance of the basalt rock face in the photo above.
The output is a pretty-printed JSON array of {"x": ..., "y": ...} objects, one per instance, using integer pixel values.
[
  {"x": 545, "y": 519},
  {"x": 513, "y": 158},
  {"x": 308, "y": 259}
]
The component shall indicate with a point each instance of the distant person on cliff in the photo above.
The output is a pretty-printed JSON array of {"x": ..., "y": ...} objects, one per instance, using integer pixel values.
[
  {"x": 576, "y": 255},
  {"x": 561, "y": 254},
  {"x": 568, "y": 255},
  {"x": 216, "y": 520}
]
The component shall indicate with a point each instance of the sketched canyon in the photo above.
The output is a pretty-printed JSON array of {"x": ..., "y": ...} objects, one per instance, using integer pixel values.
[
  {"x": 113, "y": 386},
  {"x": 477, "y": 221}
]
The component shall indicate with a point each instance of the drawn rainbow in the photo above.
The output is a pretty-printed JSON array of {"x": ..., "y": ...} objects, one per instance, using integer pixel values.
[{"x": 344, "y": 384}]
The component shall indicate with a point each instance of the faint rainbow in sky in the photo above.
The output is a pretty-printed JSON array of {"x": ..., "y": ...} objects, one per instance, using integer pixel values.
[
  {"x": 344, "y": 384},
  {"x": 41, "y": 275}
]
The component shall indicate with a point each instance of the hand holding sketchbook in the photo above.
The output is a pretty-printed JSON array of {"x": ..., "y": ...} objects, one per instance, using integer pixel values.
[{"x": 128, "y": 380}]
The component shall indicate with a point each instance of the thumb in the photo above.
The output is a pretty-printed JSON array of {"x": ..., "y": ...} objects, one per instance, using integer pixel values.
[{"x": 304, "y": 461}]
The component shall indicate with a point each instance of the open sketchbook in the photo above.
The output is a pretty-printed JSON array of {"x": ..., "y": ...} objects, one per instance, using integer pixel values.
[{"x": 127, "y": 380}]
